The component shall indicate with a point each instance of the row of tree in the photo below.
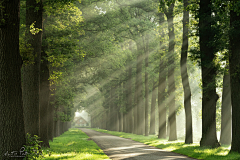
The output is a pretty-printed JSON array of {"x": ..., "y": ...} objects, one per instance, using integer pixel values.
[
  {"x": 39, "y": 48},
  {"x": 48, "y": 66},
  {"x": 134, "y": 29}
]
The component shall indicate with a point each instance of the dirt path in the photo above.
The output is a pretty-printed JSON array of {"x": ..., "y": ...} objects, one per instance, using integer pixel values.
[{"x": 120, "y": 148}]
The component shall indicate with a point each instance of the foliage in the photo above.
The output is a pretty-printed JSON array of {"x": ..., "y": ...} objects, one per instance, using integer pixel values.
[
  {"x": 34, "y": 30},
  {"x": 62, "y": 29},
  {"x": 33, "y": 147}
]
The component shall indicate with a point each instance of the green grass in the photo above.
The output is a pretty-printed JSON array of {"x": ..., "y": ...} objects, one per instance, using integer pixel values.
[
  {"x": 72, "y": 145},
  {"x": 192, "y": 150}
]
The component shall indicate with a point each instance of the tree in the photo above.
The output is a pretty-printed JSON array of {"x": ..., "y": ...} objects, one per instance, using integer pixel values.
[
  {"x": 12, "y": 134},
  {"x": 51, "y": 122},
  {"x": 146, "y": 85},
  {"x": 139, "y": 90},
  {"x": 162, "y": 113},
  {"x": 31, "y": 71},
  {"x": 184, "y": 75},
  {"x": 129, "y": 94},
  {"x": 44, "y": 100},
  {"x": 234, "y": 60},
  {"x": 153, "y": 106},
  {"x": 171, "y": 67},
  {"x": 226, "y": 120},
  {"x": 208, "y": 67},
  {"x": 63, "y": 55}
]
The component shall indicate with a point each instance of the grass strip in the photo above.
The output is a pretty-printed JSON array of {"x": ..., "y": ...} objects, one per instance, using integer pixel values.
[
  {"x": 192, "y": 150},
  {"x": 72, "y": 145}
]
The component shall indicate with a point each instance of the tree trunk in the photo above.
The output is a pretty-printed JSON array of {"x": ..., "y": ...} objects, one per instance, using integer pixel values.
[
  {"x": 184, "y": 75},
  {"x": 51, "y": 122},
  {"x": 153, "y": 105},
  {"x": 61, "y": 127},
  {"x": 139, "y": 91},
  {"x": 135, "y": 131},
  {"x": 161, "y": 89},
  {"x": 57, "y": 128},
  {"x": 125, "y": 123},
  {"x": 112, "y": 109},
  {"x": 44, "y": 100},
  {"x": 146, "y": 86},
  {"x": 234, "y": 61},
  {"x": 120, "y": 123},
  {"x": 171, "y": 79},
  {"x": 125, "y": 105},
  {"x": 121, "y": 94},
  {"x": 92, "y": 121},
  {"x": 129, "y": 97},
  {"x": 12, "y": 135},
  {"x": 115, "y": 111},
  {"x": 54, "y": 128},
  {"x": 31, "y": 72},
  {"x": 209, "y": 95},
  {"x": 226, "y": 115}
]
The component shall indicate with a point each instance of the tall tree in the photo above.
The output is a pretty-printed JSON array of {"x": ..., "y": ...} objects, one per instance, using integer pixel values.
[
  {"x": 135, "y": 130},
  {"x": 31, "y": 72},
  {"x": 12, "y": 135},
  {"x": 168, "y": 10},
  {"x": 51, "y": 121},
  {"x": 44, "y": 98},
  {"x": 129, "y": 97},
  {"x": 171, "y": 77},
  {"x": 184, "y": 75},
  {"x": 139, "y": 90},
  {"x": 153, "y": 106},
  {"x": 146, "y": 84},
  {"x": 209, "y": 95},
  {"x": 226, "y": 115},
  {"x": 162, "y": 113},
  {"x": 234, "y": 61}
]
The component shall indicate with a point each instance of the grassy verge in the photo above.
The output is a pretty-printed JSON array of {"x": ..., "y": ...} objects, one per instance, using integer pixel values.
[
  {"x": 72, "y": 145},
  {"x": 192, "y": 150}
]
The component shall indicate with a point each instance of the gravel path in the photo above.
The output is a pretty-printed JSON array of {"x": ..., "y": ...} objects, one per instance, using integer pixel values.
[{"x": 117, "y": 148}]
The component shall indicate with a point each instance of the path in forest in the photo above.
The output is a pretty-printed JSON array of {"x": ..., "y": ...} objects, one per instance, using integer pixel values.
[{"x": 117, "y": 148}]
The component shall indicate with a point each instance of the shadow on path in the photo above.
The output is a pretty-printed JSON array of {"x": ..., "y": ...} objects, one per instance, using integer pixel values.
[{"x": 118, "y": 148}]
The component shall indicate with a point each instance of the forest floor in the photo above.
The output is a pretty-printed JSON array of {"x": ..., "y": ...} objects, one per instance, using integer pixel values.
[{"x": 118, "y": 148}]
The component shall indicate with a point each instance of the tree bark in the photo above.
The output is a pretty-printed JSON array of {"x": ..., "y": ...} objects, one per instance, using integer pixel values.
[
  {"x": 234, "y": 61},
  {"x": 31, "y": 72},
  {"x": 51, "y": 122},
  {"x": 161, "y": 88},
  {"x": 153, "y": 105},
  {"x": 146, "y": 85},
  {"x": 44, "y": 99},
  {"x": 112, "y": 122},
  {"x": 115, "y": 109},
  {"x": 12, "y": 135},
  {"x": 61, "y": 128},
  {"x": 171, "y": 79},
  {"x": 139, "y": 91},
  {"x": 129, "y": 97},
  {"x": 209, "y": 95},
  {"x": 57, "y": 133},
  {"x": 184, "y": 75},
  {"x": 226, "y": 115},
  {"x": 135, "y": 131},
  {"x": 125, "y": 105}
]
